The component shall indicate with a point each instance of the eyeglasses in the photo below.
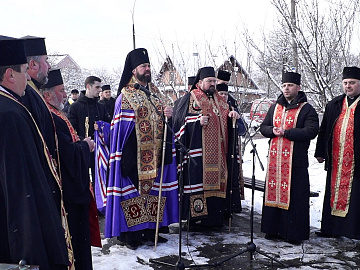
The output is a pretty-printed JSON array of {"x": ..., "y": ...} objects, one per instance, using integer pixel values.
[{"x": 210, "y": 81}]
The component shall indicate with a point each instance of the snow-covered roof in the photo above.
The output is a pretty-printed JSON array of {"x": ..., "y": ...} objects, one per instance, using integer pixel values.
[
  {"x": 233, "y": 89},
  {"x": 57, "y": 59}
]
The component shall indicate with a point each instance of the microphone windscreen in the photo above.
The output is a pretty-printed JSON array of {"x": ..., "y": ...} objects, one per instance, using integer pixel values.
[{"x": 137, "y": 86}]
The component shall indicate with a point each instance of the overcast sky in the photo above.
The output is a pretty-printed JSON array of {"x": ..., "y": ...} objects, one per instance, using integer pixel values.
[{"x": 98, "y": 34}]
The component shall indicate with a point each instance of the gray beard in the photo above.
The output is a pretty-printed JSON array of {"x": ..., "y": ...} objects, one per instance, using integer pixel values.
[{"x": 43, "y": 79}]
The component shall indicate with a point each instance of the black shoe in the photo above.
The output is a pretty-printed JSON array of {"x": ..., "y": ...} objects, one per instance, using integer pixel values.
[
  {"x": 161, "y": 239},
  {"x": 272, "y": 236},
  {"x": 293, "y": 242},
  {"x": 164, "y": 229},
  {"x": 121, "y": 243},
  {"x": 195, "y": 228},
  {"x": 133, "y": 244},
  {"x": 325, "y": 235},
  {"x": 152, "y": 239},
  {"x": 237, "y": 210}
]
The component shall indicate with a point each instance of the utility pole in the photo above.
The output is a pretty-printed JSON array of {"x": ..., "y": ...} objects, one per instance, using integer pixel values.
[
  {"x": 294, "y": 45},
  {"x": 133, "y": 24}
]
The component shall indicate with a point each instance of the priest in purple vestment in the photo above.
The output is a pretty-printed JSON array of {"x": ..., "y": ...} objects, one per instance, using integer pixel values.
[{"x": 136, "y": 149}]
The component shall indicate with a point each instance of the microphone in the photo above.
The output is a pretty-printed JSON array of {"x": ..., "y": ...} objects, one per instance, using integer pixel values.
[{"x": 144, "y": 89}]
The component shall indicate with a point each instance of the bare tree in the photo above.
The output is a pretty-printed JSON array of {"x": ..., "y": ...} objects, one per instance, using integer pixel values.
[{"x": 323, "y": 35}]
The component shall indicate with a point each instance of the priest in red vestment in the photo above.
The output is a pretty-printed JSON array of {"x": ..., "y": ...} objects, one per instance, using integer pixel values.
[
  {"x": 338, "y": 145},
  {"x": 290, "y": 124}
]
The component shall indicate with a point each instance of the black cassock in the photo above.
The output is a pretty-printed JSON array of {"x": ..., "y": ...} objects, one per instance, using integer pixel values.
[
  {"x": 294, "y": 223},
  {"x": 30, "y": 225},
  {"x": 192, "y": 173},
  {"x": 39, "y": 111},
  {"x": 74, "y": 160},
  {"x": 348, "y": 226}
]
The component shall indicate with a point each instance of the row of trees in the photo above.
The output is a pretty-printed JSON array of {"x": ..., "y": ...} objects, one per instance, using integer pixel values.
[
  {"x": 316, "y": 38},
  {"x": 325, "y": 39}
]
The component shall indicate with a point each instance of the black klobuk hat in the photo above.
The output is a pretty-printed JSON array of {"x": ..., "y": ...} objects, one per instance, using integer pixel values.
[
  {"x": 34, "y": 46},
  {"x": 291, "y": 77},
  {"x": 54, "y": 79},
  {"x": 12, "y": 52}
]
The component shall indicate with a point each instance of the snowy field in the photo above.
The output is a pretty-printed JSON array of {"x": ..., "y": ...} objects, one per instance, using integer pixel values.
[
  {"x": 317, "y": 176},
  {"x": 123, "y": 258}
]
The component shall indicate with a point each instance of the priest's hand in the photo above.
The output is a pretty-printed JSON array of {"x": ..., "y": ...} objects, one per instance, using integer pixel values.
[
  {"x": 278, "y": 132},
  {"x": 91, "y": 143},
  {"x": 168, "y": 111},
  {"x": 234, "y": 114},
  {"x": 204, "y": 120},
  {"x": 320, "y": 159}
]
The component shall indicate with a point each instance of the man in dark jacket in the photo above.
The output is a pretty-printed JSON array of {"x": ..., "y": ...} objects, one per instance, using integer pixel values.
[
  {"x": 73, "y": 98},
  {"x": 290, "y": 124},
  {"x": 86, "y": 111},
  {"x": 338, "y": 145},
  {"x": 107, "y": 100}
]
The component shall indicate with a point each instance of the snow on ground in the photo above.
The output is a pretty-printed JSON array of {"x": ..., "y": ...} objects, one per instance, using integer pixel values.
[
  {"x": 317, "y": 176},
  {"x": 120, "y": 257}
]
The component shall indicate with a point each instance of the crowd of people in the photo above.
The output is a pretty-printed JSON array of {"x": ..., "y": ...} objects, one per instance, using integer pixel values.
[{"x": 65, "y": 161}]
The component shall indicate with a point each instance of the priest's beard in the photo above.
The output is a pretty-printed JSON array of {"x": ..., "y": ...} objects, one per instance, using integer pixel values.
[
  {"x": 144, "y": 78},
  {"x": 42, "y": 78},
  {"x": 61, "y": 106},
  {"x": 210, "y": 91},
  {"x": 58, "y": 102}
]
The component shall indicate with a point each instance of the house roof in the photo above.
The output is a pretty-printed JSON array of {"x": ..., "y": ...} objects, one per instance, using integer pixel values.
[
  {"x": 58, "y": 59},
  {"x": 237, "y": 67},
  {"x": 168, "y": 66}
]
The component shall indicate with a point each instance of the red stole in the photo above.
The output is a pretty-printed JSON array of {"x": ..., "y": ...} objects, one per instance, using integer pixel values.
[
  {"x": 342, "y": 173},
  {"x": 278, "y": 177},
  {"x": 73, "y": 133},
  {"x": 214, "y": 143}
]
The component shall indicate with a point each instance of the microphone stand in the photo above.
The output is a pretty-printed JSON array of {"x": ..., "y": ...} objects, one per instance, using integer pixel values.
[
  {"x": 251, "y": 247},
  {"x": 253, "y": 145},
  {"x": 180, "y": 265}
]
